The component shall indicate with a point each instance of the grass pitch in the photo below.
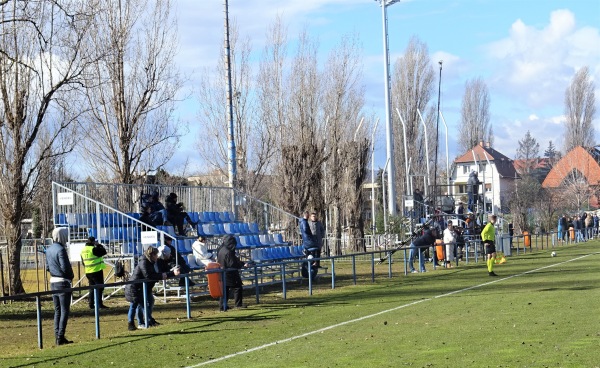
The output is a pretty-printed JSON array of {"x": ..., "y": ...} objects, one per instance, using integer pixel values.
[{"x": 541, "y": 311}]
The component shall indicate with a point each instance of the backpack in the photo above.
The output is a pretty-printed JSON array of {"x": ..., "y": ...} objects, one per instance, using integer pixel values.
[{"x": 119, "y": 268}]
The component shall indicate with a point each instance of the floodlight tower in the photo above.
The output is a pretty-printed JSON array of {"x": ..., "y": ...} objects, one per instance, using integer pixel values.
[
  {"x": 230, "y": 134},
  {"x": 389, "y": 133}
]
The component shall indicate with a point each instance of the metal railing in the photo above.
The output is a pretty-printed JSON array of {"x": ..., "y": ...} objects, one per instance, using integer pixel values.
[{"x": 126, "y": 198}]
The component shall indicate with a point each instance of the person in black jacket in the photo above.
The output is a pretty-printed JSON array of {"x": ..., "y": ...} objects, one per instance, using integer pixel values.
[
  {"x": 419, "y": 245},
  {"x": 176, "y": 214},
  {"x": 227, "y": 258},
  {"x": 61, "y": 276},
  {"x": 135, "y": 294}
]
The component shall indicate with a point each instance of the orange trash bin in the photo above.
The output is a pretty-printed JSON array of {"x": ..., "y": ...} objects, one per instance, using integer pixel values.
[
  {"x": 527, "y": 238},
  {"x": 439, "y": 249}
]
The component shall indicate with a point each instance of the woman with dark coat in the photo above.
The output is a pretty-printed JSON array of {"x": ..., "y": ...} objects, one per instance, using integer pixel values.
[
  {"x": 135, "y": 294},
  {"x": 227, "y": 258}
]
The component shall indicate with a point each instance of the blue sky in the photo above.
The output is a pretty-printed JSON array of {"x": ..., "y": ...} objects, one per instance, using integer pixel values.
[{"x": 526, "y": 51}]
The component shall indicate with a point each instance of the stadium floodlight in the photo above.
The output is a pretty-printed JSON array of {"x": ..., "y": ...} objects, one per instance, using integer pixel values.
[{"x": 391, "y": 171}]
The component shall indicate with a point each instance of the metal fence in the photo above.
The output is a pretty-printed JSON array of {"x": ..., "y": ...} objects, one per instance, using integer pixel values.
[{"x": 126, "y": 198}]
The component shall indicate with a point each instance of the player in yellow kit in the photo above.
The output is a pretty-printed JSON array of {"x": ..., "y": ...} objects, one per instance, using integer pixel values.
[{"x": 488, "y": 235}]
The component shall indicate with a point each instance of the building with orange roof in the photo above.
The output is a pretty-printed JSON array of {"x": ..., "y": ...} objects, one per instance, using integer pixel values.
[{"x": 580, "y": 170}]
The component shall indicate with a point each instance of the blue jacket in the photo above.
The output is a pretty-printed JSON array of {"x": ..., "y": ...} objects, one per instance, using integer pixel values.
[
  {"x": 57, "y": 262},
  {"x": 308, "y": 240}
]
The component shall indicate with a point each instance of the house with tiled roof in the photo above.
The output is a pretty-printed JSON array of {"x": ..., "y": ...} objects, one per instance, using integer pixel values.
[
  {"x": 495, "y": 170},
  {"x": 537, "y": 167},
  {"x": 579, "y": 163}
]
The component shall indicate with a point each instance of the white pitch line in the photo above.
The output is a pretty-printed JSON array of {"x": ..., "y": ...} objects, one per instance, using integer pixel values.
[{"x": 225, "y": 357}]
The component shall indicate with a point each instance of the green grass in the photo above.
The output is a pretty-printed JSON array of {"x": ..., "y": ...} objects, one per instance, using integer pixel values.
[{"x": 546, "y": 318}]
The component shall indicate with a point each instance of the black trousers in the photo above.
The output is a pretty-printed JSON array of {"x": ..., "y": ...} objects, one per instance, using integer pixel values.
[
  {"x": 95, "y": 278},
  {"x": 237, "y": 292}
]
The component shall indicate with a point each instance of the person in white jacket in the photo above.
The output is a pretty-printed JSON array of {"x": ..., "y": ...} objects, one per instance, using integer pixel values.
[
  {"x": 449, "y": 240},
  {"x": 201, "y": 252}
]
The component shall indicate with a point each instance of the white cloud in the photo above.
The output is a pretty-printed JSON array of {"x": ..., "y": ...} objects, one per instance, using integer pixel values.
[
  {"x": 533, "y": 117},
  {"x": 538, "y": 63}
]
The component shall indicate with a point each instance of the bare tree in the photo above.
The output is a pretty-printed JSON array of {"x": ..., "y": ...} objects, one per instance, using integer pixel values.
[
  {"x": 254, "y": 139},
  {"x": 475, "y": 115},
  {"x": 355, "y": 155},
  {"x": 522, "y": 199},
  {"x": 132, "y": 90},
  {"x": 580, "y": 108},
  {"x": 42, "y": 59},
  {"x": 528, "y": 153},
  {"x": 412, "y": 88}
]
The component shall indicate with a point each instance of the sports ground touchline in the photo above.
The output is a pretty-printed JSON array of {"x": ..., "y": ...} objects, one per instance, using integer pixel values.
[{"x": 264, "y": 346}]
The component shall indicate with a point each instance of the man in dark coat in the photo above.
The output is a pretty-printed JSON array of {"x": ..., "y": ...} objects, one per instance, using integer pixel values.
[
  {"x": 419, "y": 245},
  {"x": 473, "y": 191},
  {"x": 176, "y": 215},
  {"x": 227, "y": 258},
  {"x": 61, "y": 276}
]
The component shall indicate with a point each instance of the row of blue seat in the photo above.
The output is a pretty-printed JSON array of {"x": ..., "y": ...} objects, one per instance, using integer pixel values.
[
  {"x": 117, "y": 219},
  {"x": 276, "y": 253}
]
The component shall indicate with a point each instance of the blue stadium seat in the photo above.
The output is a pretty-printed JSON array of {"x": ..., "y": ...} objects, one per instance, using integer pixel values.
[{"x": 60, "y": 220}]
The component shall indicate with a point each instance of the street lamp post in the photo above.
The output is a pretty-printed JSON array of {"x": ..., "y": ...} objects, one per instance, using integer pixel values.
[
  {"x": 373, "y": 177},
  {"x": 447, "y": 157},
  {"x": 407, "y": 191},
  {"x": 230, "y": 135},
  {"x": 437, "y": 137},
  {"x": 391, "y": 172},
  {"x": 383, "y": 188},
  {"x": 426, "y": 151}
]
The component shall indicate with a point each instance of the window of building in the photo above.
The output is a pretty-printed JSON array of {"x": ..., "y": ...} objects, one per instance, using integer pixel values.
[{"x": 465, "y": 169}]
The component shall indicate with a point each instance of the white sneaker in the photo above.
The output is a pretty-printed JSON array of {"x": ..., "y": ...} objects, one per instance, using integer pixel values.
[
  {"x": 142, "y": 327},
  {"x": 414, "y": 271}
]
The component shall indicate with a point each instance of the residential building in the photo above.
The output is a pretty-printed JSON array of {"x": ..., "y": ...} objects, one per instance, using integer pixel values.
[{"x": 495, "y": 170}]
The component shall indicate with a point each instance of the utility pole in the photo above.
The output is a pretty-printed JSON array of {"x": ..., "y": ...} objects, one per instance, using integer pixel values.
[
  {"x": 230, "y": 136},
  {"x": 391, "y": 171}
]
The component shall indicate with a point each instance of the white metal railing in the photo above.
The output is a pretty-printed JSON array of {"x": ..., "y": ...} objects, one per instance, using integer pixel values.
[
  {"x": 122, "y": 233},
  {"x": 245, "y": 208}
]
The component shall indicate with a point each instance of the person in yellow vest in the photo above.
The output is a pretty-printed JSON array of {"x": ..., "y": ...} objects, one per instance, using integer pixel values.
[
  {"x": 488, "y": 236},
  {"x": 91, "y": 256}
]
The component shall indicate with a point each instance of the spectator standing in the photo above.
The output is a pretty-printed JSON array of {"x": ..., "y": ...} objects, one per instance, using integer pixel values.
[
  {"x": 318, "y": 232},
  {"x": 596, "y": 224},
  {"x": 473, "y": 191},
  {"x": 134, "y": 293},
  {"x": 308, "y": 242},
  {"x": 419, "y": 245},
  {"x": 91, "y": 257},
  {"x": 460, "y": 211},
  {"x": 449, "y": 239},
  {"x": 229, "y": 260},
  {"x": 61, "y": 276},
  {"x": 488, "y": 236},
  {"x": 418, "y": 204},
  {"x": 562, "y": 228},
  {"x": 589, "y": 223},
  {"x": 577, "y": 226}
]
